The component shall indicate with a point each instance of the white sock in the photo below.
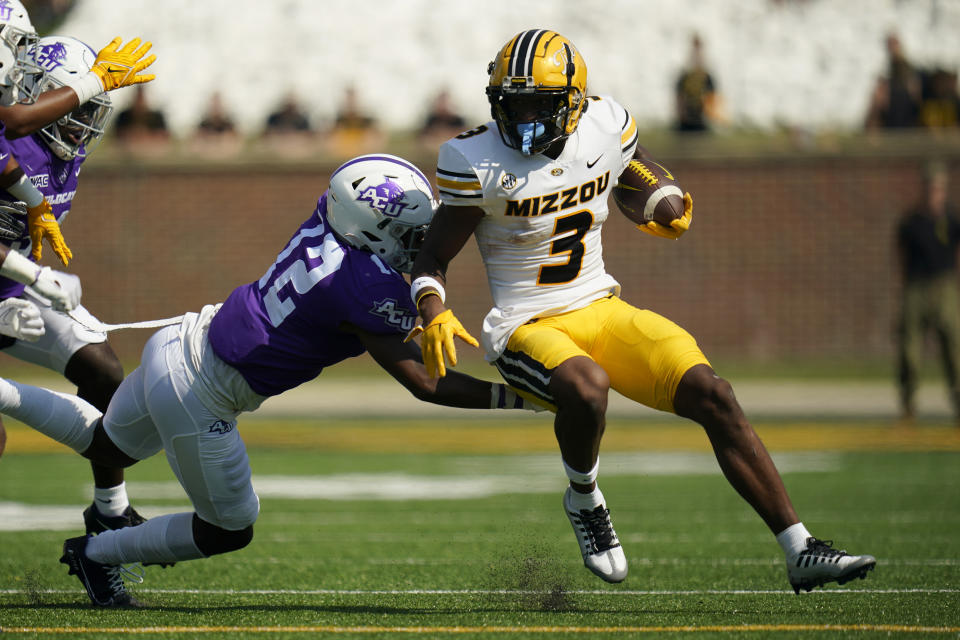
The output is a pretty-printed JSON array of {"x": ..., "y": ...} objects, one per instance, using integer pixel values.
[
  {"x": 67, "y": 419},
  {"x": 111, "y": 501},
  {"x": 163, "y": 539},
  {"x": 581, "y": 477},
  {"x": 793, "y": 539},
  {"x": 588, "y": 501}
]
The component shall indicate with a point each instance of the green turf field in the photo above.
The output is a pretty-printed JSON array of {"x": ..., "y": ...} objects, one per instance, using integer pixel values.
[{"x": 437, "y": 530}]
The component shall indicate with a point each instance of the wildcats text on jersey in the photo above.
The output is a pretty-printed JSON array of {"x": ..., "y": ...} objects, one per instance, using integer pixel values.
[{"x": 558, "y": 201}]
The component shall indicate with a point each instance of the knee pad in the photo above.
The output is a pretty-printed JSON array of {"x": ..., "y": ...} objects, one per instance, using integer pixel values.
[{"x": 212, "y": 540}]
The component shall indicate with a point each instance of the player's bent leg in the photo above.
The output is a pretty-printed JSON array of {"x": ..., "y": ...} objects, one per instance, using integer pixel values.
[
  {"x": 212, "y": 540},
  {"x": 707, "y": 399},
  {"x": 580, "y": 388},
  {"x": 97, "y": 372},
  {"x": 545, "y": 360}
]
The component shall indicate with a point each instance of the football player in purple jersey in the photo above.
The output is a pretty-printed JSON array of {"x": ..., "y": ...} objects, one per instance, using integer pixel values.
[
  {"x": 334, "y": 292},
  {"x": 52, "y": 157}
]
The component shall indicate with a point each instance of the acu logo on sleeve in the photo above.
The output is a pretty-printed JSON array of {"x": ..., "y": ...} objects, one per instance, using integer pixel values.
[{"x": 395, "y": 315}]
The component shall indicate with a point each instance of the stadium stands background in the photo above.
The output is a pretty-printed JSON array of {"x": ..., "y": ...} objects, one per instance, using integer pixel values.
[{"x": 790, "y": 256}]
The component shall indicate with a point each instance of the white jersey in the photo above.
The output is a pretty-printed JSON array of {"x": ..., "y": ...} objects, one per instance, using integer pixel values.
[{"x": 540, "y": 237}]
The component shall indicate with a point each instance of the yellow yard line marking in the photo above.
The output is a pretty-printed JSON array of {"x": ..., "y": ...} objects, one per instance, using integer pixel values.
[
  {"x": 527, "y": 436},
  {"x": 882, "y": 628}
]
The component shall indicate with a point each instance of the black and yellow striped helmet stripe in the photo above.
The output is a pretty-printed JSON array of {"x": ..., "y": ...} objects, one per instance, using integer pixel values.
[{"x": 523, "y": 51}]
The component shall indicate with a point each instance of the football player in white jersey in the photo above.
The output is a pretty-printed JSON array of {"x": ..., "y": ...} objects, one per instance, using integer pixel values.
[{"x": 532, "y": 187}]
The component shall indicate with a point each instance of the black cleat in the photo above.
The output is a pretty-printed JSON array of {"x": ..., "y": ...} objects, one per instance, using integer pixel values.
[
  {"x": 103, "y": 582},
  {"x": 96, "y": 522},
  {"x": 820, "y": 563}
]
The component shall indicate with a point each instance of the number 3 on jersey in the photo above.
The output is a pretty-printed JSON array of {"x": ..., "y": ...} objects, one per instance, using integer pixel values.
[{"x": 571, "y": 244}]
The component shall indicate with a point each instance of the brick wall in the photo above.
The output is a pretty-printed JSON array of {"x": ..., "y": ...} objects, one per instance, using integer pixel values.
[{"x": 787, "y": 257}]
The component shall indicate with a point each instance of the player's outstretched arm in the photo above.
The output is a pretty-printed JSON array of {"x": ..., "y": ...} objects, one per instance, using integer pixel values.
[
  {"x": 449, "y": 230},
  {"x": 24, "y": 119},
  {"x": 114, "y": 67},
  {"x": 401, "y": 359}
]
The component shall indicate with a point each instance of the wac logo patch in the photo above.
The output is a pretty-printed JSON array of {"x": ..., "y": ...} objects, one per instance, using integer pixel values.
[{"x": 221, "y": 427}]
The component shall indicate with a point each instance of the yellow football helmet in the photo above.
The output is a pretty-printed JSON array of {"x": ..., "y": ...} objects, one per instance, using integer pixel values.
[{"x": 537, "y": 90}]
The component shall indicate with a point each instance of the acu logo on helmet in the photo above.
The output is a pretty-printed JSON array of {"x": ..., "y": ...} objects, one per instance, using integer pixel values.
[
  {"x": 385, "y": 198},
  {"x": 51, "y": 56},
  {"x": 6, "y": 9}
]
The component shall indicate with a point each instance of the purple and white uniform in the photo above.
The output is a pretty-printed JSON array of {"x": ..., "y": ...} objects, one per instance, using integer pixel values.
[
  {"x": 63, "y": 336},
  {"x": 285, "y": 328},
  {"x": 271, "y": 335},
  {"x": 56, "y": 179}
]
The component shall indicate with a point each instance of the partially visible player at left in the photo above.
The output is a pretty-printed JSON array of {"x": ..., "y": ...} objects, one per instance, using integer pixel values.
[
  {"x": 53, "y": 156},
  {"x": 24, "y": 108},
  {"x": 53, "y": 107}
]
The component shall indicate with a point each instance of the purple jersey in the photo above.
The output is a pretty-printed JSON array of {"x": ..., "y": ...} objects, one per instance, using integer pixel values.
[
  {"x": 4, "y": 147},
  {"x": 55, "y": 178},
  {"x": 285, "y": 328}
]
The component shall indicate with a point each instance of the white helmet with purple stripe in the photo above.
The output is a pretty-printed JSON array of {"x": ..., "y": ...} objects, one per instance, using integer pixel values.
[
  {"x": 382, "y": 204},
  {"x": 18, "y": 70}
]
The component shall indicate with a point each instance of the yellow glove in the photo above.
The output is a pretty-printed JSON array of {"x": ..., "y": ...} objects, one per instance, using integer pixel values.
[
  {"x": 121, "y": 67},
  {"x": 677, "y": 227},
  {"x": 438, "y": 340},
  {"x": 42, "y": 226}
]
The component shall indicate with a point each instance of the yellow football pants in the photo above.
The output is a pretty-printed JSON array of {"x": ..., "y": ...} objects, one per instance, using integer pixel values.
[{"x": 643, "y": 353}]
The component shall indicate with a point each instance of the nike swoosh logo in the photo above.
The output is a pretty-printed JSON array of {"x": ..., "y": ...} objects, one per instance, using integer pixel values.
[
  {"x": 109, "y": 70},
  {"x": 590, "y": 164},
  {"x": 107, "y": 501}
]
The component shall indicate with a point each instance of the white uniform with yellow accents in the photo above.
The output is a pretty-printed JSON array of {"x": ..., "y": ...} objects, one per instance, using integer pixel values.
[{"x": 540, "y": 237}]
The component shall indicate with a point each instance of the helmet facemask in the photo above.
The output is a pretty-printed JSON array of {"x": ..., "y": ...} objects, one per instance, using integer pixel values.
[
  {"x": 530, "y": 120},
  {"x": 77, "y": 133},
  {"x": 19, "y": 72}
]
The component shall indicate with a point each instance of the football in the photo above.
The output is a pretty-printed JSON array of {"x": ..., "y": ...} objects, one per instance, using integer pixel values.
[{"x": 648, "y": 191}]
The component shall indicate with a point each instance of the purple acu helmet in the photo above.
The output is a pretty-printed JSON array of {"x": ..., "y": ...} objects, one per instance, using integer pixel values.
[{"x": 382, "y": 204}]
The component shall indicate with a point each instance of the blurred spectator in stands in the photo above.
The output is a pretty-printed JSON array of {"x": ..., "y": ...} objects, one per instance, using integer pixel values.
[
  {"x": 940, "y": 108},
  {"x": 354, "y": 132},
  {"x": 896, "y": 96},
  {"x": 216, "y": 134},
  {"x": 928, "y": 238},
  {"x": 289, "y": 117},
  {"x": 216, "y": 120},
  {"x": 442, "y": 121},
  {"x": 288, "y": 131},
  {"x": 695, "y": 91},
  {"x": 140, "y": 128}
]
